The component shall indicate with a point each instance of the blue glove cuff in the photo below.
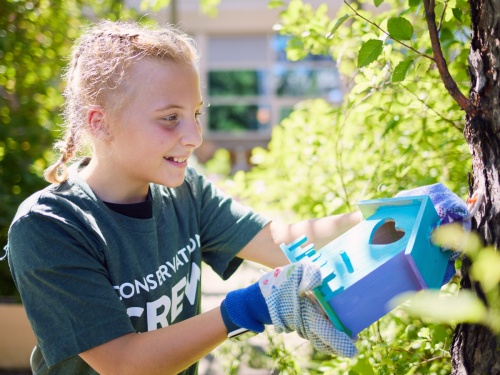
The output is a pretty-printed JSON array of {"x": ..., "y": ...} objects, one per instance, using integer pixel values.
[
  {"x": 232, "y": 329},
  {"x": 245, "y": 308}
]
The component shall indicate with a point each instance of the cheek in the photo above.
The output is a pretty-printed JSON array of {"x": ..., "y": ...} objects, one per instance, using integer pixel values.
[{"x": 166, "y": 137}]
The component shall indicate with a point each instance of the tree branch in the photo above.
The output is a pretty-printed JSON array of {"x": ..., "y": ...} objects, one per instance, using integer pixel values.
[
  {"x": 441, "y": 64},
  {"x": 451, "y": 122},
  {"x": 386, "y": 33}
]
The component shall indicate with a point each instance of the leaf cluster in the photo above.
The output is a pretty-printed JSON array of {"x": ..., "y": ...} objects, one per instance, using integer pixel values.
[
  {"x": 322, "y": 160},
  {"x": 464, "y": 306},
  {"x": 397, "y": 128},
  {"x": 234, "y": 356},
  {"x": 396, "y": 344},
  {"x": 388, "y": 135}
]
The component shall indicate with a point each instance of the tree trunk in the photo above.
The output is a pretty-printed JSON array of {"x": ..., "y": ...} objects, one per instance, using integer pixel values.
[{"x": 474, "y": 349}]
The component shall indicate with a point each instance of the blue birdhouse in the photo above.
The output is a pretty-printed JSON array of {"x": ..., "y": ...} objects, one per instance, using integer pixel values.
[{"x": 388, "y": 253}]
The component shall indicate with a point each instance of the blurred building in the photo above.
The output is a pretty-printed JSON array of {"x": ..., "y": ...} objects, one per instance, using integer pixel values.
[{"x": 246, "y": 78}]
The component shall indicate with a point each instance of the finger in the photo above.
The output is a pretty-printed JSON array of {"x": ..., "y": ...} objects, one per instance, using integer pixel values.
[
  {"x": 332, "y": 341},
  {"x": 323, "y": 334},
  {"x": 310, "y": 277}
]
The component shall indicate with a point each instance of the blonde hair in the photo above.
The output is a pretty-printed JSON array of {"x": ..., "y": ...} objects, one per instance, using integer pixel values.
[{"x": 97, "y": 71}]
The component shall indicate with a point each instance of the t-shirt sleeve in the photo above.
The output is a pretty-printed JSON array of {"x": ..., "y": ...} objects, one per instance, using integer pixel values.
[
  {"x": 63, "y": 283},
  {"x": 226, "y": 227}
]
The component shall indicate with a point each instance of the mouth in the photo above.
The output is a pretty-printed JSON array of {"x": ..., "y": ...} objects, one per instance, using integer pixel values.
[{"x": 176, "y": 161}]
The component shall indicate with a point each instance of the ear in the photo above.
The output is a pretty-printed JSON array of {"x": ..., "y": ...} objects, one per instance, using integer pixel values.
[{"x": 96, "y": 122}]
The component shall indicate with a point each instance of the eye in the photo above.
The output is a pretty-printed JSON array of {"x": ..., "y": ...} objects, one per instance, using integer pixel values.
[{"x": 170, "y": 118}]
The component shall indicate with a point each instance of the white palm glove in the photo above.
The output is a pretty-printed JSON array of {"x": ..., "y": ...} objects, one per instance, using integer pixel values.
[{"x": 284, "y": 290}]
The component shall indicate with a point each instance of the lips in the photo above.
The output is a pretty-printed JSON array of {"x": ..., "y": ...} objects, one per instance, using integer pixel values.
[{"x": 176, "y": 160}]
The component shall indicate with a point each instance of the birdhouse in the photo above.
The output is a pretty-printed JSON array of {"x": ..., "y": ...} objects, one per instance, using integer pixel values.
[{"x": 390, "y": 252}]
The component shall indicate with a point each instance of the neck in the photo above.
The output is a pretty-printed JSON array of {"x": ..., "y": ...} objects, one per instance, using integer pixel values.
[{"x": 110, "y": 186}]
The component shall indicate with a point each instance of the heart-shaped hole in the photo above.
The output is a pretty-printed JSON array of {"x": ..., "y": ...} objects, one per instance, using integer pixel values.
[{"x": 387, "y": 233}]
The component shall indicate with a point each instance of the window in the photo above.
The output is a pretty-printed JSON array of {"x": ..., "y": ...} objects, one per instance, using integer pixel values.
[
  {"x": 252, "y": 86},
  {"x": 236, "y": 83}
]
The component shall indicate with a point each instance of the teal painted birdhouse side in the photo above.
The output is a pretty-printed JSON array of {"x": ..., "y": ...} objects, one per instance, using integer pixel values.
[{"x": 390, "y": 252}]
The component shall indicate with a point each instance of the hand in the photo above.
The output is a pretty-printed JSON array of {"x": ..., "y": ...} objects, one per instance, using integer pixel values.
[
  {"x": 285, "y": 290},
  {"x": 279, "y": 297},
  {"x": 450, "y": 208},
  {"x": 448, "y": 205}
]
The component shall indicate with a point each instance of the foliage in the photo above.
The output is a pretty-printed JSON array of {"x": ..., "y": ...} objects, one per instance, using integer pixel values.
[
  {"x": 397, "y": 128},
  {"x": 385, "y": 137},
  {"x": 279, "y": 358},
  {"x": 35, "y": 38},
  {"x": 321, "y": 160},
  {"x": 396, "y": 344},
  {"x": 219, "y": 164},
  {"x": 466, "y": 306}
]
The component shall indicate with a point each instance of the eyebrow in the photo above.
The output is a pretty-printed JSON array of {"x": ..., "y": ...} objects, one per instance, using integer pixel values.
[{"x": 175, "y": 106}]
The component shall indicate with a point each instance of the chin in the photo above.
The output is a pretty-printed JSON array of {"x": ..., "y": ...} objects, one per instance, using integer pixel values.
[
  {"x": 171, "y": 181},
  {"x": 174, "y": 185}
]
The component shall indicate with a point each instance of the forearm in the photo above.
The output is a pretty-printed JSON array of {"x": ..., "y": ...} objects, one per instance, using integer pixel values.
[
  {"x": 167, "y": 350},
  {"x": 320, "y": 231},
  {"x": 264, "y": 247}
]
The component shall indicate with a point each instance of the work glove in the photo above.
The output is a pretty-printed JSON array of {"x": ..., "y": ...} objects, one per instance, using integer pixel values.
[
  {"x": 450, "y": 208},
  {"x": 448, "y": 205},
  {"x": 281, "y": 297}
]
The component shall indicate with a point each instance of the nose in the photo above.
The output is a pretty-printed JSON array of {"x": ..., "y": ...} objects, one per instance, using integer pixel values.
[{"x": 192, "y": 135}]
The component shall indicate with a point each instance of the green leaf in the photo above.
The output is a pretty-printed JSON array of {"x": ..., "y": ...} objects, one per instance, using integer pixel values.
[
  {"x": 339, "y": 22},
  {"x": 414, "y": 3},
  {"x": 378, "y": 2},
  {"x": 400, "y": 28},
  {"x": 422, "y": 67},
  {"x": 486, "y": 269},
  {"x": 363, "y": 366},
  {"x": 401, "y": 70},
  {"x": 154, "y": 5},
  {"x": 272, "y": 4},
  {"x": 434, "y": 306},
  {"x": 454, "y": 237},
  {"x": 369, "y": 52},
  {"x": 160, "y": 4},
  {"x": 457, "y": 12},
  {"x": 390, "y": 125},
  {"x": 295, "y": 49}
]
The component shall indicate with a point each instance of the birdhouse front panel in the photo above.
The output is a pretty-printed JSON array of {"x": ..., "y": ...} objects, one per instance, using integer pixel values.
[
  {"x": 388, "y": 253},
  {"x": 366, "y": 301}
]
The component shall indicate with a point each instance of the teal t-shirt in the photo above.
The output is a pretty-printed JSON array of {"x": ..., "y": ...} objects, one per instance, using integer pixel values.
[{"x": 87, "y": 274}]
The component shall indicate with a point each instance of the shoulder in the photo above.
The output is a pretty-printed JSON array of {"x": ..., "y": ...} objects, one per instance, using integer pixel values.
[
  {"x": 57, "y": 201},
  {"x": 59, "y": 215},
  {"x": 42, "y": 201},
  {"x": 31, "y": 202}
]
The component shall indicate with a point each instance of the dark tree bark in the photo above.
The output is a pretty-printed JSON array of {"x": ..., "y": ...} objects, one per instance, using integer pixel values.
[{"x": 475, "y": 349}]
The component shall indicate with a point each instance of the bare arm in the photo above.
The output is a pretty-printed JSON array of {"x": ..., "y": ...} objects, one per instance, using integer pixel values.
[
  {"x": 264, "y": 247},
  {"x": 171, "y": 349},
  {"x": 164, "y": 351}
]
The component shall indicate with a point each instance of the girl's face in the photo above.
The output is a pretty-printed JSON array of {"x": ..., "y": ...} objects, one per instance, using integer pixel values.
[{"x": 158, "y": 128}]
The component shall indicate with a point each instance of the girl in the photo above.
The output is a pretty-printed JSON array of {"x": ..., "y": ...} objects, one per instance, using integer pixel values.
[{"x": 113, "y": 247}]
